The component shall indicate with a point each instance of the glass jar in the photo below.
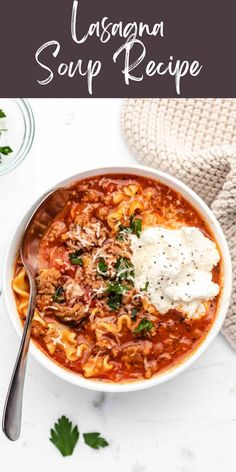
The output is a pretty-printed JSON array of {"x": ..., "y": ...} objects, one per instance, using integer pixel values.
[{"x": 17, "y": 131}]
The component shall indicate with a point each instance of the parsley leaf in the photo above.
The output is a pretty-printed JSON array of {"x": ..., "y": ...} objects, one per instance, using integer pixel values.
[
  {"x": 115, "y": 287},
  {"x": 2, "y": 114},
  {"x": 115, "y": 291},
  {"x": 64, "y": 436},
  {"x": 144, "y": 289},
  {"x": 5, "y": 150},
  {"x": 125, "y": 268},
  {"x": 95, "y": 440},
  {"x": 59, "y": 296},
  {"x": 134, "y": 313},
  {"x": 135, "y": 225},
  {"x": 102, "y": 265},
  {"x": 144, "y": 324},
  {"x": 122, "y": 231},
  {"x": 75, "y": 259},
  {"x": 114, "y": 301}
]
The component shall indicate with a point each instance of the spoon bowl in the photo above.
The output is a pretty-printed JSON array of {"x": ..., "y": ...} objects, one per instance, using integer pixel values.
[{"x": 49, "y": 206}]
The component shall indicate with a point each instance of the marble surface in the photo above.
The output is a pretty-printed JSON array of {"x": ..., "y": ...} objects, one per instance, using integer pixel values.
[{"x": 185, "y": 425}]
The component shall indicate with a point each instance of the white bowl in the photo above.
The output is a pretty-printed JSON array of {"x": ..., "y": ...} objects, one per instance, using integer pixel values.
[{"x": 207, "y": 215}]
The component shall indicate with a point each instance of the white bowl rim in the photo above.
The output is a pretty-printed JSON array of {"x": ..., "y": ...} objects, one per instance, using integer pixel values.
[{"x": 157, "y": 379}]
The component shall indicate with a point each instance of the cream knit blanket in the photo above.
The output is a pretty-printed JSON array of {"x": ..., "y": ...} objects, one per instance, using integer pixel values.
[{"x": 194, "y": 140}]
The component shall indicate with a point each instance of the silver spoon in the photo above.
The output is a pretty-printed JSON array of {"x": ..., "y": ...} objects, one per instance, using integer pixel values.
[{"x": 47, "y": 209}]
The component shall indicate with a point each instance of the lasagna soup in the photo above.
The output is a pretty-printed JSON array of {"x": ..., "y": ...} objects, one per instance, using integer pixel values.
[{"x": 128, "y": 280}]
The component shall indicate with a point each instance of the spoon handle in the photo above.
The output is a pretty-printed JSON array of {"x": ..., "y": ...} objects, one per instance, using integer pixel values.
[{"x": 11, "y": 423}]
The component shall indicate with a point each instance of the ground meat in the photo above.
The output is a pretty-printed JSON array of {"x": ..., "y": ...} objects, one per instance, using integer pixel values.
[
  {"x": 103, "y": 308},
  {"x": 56, "y": 230},
  {"x": 42, "y": 301},
  {"x": 108, "y": 199},
  {"x": 97, "y": 287},
  {"x": 128, "y": 296},
  {"x": 135, "y": 354},
  {"x": 103, "y": 345},
  {"x": 93, "y": 196},
  {"x": 47, "y": 280},
  {"x": 70, "y": 314},
  {"x": 102, "y": 213},
  {"x": 38, "y": 330},
  {"x": 82, "y": 213}
]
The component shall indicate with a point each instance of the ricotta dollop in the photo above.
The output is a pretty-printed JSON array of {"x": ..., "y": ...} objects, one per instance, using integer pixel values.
[{"x": 173, "y": 268}]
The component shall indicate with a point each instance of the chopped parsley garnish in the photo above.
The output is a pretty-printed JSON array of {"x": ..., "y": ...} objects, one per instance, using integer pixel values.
[
  {"x": 59, "y": 295},
  {"x": 5, "y": 150},
  {"x": 144, "y": 289},
  {"x": 64, "y": 436},
  {"x": 75, "y": 259},
  {"x": 122, "y": 231},
  {"x": 134, "y": 312},
  {"x": 144, "y": 325},
  {"x": 114, "y": 301},
  {"x": 95, "y": 440},
  {"x": 102, "y": 266},
  {"x": 135, "y": 227},
  {"x": 115, "y": 287},
  {"x": 124, "y": 268},
  {"x": 115, "y": 291}
]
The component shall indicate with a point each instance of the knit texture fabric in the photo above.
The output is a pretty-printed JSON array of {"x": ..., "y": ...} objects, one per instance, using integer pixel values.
[{"x": 195, "y": 141}]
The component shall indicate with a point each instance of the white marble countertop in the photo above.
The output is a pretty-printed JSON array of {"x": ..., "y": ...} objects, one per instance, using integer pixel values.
[{"x": 185, "y": 425}]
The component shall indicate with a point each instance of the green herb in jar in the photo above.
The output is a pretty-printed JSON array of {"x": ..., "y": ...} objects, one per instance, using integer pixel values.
[{"x": 4, "y": 150}]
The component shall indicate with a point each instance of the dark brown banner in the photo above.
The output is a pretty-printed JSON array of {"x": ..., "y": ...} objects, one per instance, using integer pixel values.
[{"x": 102, "y": 48}]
